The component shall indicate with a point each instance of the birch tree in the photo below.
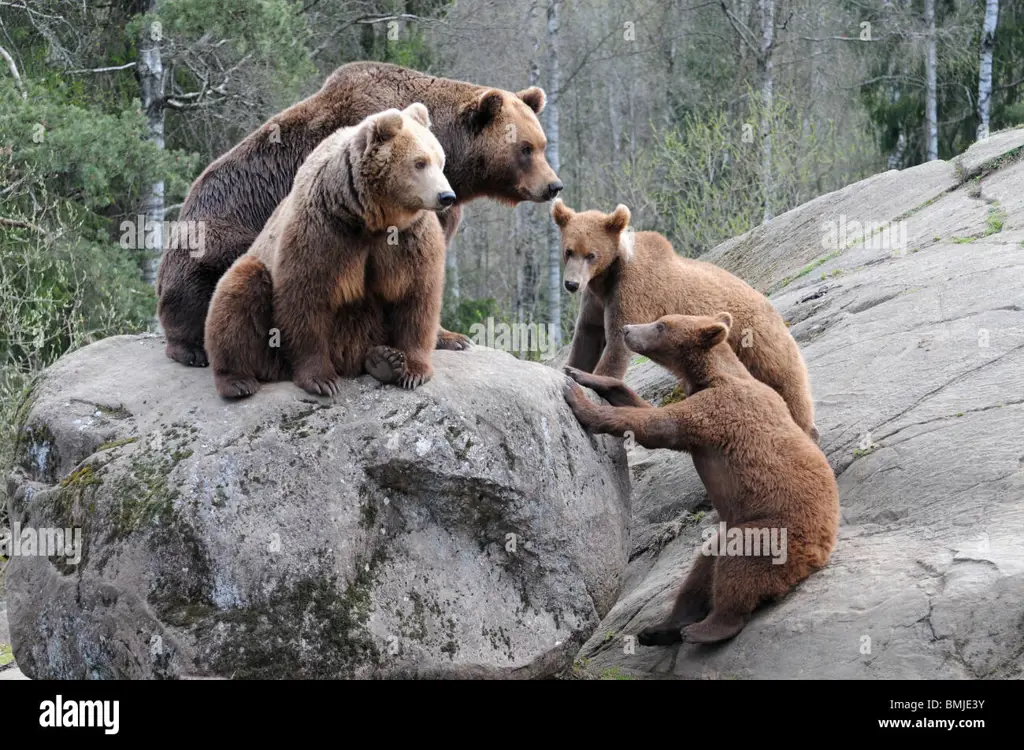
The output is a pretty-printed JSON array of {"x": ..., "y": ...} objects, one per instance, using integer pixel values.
[
  {"x": 765, "y": 67},
  {"x": 988, "y": 43},
  {"x": 553, "y": 235},
  {"x": 931, "y": 115},
  {"x": 150, "y": 70}
]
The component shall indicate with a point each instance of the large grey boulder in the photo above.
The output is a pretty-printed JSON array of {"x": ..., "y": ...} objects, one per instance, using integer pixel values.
[
  {"x": 916, "y": 356},
  {"x": 469, "y": 528}
]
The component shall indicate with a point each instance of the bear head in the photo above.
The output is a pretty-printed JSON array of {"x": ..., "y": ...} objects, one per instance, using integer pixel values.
[
  {"x": 591, "y": 241},
  {"x": 507, "y": 147},
  {"x": 691, "y": 346},
  {"x": 398, "y": 168}
]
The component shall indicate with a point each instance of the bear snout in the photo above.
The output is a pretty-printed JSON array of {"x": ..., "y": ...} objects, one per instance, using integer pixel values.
[
  {"x": 446, "y": 199},
  {"x": 554, "y": 189},
  {"x": 572, "y": 286}
]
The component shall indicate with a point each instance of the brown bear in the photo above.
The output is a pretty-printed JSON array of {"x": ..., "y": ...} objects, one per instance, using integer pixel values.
[
  {"x": 349, "y": 270},
  {"x": 764, "y": 475},
  {"x": 492, "y": 139},
  {"x": 636, "y": 277}
]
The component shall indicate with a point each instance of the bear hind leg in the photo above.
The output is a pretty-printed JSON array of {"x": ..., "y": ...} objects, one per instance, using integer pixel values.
[
  {"x": 692, "y": 604},
  {"x": 239, "y": 331},
  {"x": 391, "y": 367},
  {"x": 740, "y": 584}
]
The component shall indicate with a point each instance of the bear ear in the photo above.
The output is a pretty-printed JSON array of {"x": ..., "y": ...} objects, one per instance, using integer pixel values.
[
  {"x": 485, "y": 108},
  {"x": 560, "y": 212},
  {"x": 418, "y": 112},
  {"x": 725, "y": 319},
  {"x": 617, "y": 220},
  {"x": 534, "y": 97},
  {"x": 386, "y": 126},
  {"x": 713, "y": 334}
]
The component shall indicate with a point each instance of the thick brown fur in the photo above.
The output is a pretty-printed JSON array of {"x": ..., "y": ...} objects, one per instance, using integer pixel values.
[
  {"x": 636, "y": 277},
  {"x": 354, "y": 262},
  {"x": 761, "y": 471},
  {"x": 492, "y": 138}
]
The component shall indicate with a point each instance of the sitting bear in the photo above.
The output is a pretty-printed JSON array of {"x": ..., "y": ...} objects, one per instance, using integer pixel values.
[
  {"x": 349, "y": 270},
  {"x": 636, "y": 277},
  {"x": 763, "y": 474},
  {"x": 493, "y": 140}
]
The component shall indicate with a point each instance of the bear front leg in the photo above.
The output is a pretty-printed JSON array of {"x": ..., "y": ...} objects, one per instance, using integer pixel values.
[
  {"x": 588, "y": 339},
  {"x": 651, "y": 428},
  {"x": 611, "y": 390},
  {"x": 238, "y": 330},
  {"x": 615, "y": 359}
]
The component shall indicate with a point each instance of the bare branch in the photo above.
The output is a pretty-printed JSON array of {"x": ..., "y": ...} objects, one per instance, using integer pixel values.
[
  {"x": 14, "y": 72},
  {"x": 102, "y": 70},
  {"x": 744, "y": 33}
]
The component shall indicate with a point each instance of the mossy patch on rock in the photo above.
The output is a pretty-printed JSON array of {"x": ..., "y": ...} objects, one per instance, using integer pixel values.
[{"x": 307, "y": 629}]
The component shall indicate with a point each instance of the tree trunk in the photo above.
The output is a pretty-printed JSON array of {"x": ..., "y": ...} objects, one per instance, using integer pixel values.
[
  {"x": 931, "y": 116},
  {"x": 554, "y": 236},
  {"x": 764, "y": 64},
  {"x": 988, "y": 43},
  {"x": 151, "y": 82}
]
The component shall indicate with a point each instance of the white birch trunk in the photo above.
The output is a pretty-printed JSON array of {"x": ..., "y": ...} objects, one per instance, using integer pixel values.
[
  {"x": 931, "y": 115},
  {"x": 551, "y": 129},
  {"x": 988, "y": 43},
  {"x": 151, "y": 83},
  {"x": 767, "y": 102}
]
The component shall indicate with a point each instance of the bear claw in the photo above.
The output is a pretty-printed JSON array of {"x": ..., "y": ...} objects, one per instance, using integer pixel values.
[
  {"x": 237, "y": 387},
  {"x": 452, "y": 341}
]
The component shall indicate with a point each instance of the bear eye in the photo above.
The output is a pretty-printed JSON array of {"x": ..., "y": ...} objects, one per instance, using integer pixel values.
[
  {"x": 421, "y": 164},
  {"x": 591, "y": 256},
  {"x": 661, "y": 327},
  {"x": 526, "y": 149}
]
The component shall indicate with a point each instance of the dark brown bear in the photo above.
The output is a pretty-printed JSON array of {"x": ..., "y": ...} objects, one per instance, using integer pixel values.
[
  {"x": 348, "y": 271},
  {"x": 492, "y": 138},
  {"x": 763, "y": 474}
]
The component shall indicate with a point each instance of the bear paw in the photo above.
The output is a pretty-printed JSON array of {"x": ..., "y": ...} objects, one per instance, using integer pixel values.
[
  {"x": 452, "y": 341},
  {"x": 236, "y": 386},
  {"x": 187, "y": 354},
  {"x": 664, "y": 634},
  {"x": 390, "y": 366},
  {"x": 713, "y": 629},
  {"x": 320, "y": 383}
]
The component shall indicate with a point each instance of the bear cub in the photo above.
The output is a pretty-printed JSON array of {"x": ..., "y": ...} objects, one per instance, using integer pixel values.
[
  {"x": 636, "y": 277},
  {"x": 349, "y": 270},
  {"x": 763, "y": 473}
]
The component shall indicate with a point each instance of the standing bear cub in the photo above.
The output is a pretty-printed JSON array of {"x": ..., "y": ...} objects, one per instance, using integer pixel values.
[
  {"x": 492, "y": 138},
  {"x": 764, "y": 475},
  {"x": 636, "y": 277},
  {"x": 349, "y": 269}
]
